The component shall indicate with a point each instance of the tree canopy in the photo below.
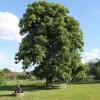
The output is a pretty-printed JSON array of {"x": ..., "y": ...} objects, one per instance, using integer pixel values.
[{"x": 52, "y": 39}]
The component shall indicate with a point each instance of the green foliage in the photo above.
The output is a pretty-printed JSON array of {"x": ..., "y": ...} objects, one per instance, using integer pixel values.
[
  {"x": 94, "y": 68},
  {"x": 1, "y": 80},
  {"x": 6, "y": 70},
  {"x": 1, "y": 77},
  {"x": 80, "y": 72},
  {"x": 52, "y": 39},
  {"x": 23, "y": 76}
]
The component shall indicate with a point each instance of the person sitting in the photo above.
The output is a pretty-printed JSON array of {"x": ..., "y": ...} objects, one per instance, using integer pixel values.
[{"x": 18, "y": 89}]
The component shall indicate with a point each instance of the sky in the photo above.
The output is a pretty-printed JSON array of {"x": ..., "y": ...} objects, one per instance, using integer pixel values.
[{"x": 87, "y": 12}]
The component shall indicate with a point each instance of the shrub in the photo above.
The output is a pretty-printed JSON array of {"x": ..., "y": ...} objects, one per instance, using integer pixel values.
[{"x": 1, "y": 80}]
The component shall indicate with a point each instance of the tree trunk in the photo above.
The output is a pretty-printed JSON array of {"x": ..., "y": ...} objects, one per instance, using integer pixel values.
[{"x": 49, "y": 81}]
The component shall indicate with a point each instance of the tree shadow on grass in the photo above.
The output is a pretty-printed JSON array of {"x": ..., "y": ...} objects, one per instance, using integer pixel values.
[
  {"x": 6, "y": 95},
  {"x": 32, "y": 87},
  {"x": 28, "y": 88}
]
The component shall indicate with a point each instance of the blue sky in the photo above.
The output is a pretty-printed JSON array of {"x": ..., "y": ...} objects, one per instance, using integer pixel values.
[{"x": 86, "y": 11}]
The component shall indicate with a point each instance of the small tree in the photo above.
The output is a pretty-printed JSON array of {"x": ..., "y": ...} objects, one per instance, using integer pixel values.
[{"x": 51, "y": 39}]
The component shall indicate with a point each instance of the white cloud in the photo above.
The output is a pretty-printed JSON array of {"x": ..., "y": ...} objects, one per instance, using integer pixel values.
[
  {"x": 9, "y": 29},
  {"x": 2, "y": 57},
  {"x": 92, "y": 55}
]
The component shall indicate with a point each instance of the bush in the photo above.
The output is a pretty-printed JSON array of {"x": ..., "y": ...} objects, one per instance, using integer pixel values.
[
  {"x": 22, "y": 76},
  {"x": 1, "y": 80},
  {"x": 10, "y": 76}
]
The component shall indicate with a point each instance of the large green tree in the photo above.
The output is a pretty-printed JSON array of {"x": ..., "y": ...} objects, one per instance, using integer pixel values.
[{"x": 52, "y": 40}]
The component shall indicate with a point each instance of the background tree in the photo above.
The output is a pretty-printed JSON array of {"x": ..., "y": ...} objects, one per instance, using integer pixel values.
[
  {"x": 6, "y": 70},
  {"x": 94, "y": 68},
  {"x": 51, "y": 39}
]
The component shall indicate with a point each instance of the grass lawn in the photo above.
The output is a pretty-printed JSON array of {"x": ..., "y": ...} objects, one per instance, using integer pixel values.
[{"x": 69, "y": 92}]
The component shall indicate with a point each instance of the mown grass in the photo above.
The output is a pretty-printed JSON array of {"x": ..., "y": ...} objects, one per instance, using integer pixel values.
[{"x": 68, "y": 92}]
